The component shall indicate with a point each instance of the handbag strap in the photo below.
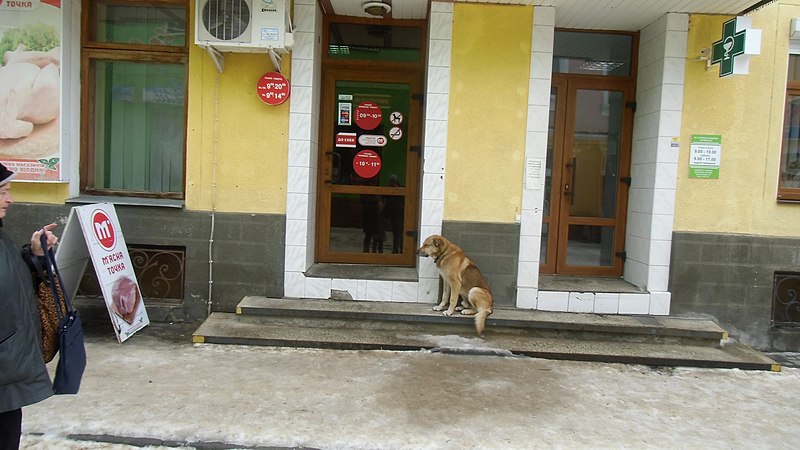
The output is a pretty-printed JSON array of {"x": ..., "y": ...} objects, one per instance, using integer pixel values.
[{"x": 55, "y": 278}]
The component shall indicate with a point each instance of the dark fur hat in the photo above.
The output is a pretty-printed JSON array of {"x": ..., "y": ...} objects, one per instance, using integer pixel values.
[{"x": 5, "y": 175}]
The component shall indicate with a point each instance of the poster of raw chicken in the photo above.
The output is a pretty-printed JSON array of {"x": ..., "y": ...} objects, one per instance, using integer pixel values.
[{"x": 30, "y": 88}]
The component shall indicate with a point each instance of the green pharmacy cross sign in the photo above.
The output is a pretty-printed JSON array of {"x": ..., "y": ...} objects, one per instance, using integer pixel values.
[{"x": 739, "y": 41}]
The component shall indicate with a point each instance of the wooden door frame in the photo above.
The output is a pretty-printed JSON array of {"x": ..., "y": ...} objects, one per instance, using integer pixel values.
[
  {"x": 560, "y": 84},
  {"x": 563, "y": 142},
  {"x": 325, "y": 189}
]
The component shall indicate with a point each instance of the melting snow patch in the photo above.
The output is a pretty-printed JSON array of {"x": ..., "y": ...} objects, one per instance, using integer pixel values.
[{"x": 461, "y": 345}]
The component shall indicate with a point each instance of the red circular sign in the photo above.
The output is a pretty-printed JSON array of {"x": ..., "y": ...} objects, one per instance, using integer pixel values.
[
  {"x": 104, "y": 229},
  {"x": 368, "y": 115},
  {"x": 367, "y": 163},
  {"x": 273, "y": 88}
]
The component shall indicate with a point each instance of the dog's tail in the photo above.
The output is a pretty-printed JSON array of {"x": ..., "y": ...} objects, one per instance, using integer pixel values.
[
  {"x": 480, "y": 320},
  {"x": 481, "y": 301}
]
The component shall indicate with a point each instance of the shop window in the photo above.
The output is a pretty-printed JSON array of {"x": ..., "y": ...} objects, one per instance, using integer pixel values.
[
  {"x": 134, "y": 67},
  {"x": 789, "y": 179}
]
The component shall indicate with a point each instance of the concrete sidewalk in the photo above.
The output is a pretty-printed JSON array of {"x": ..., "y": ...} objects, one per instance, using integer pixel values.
[{"x": 158, "y": 389}]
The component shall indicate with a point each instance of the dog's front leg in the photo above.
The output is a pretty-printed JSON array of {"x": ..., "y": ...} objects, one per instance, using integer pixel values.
[
  {"x": 445, "y": 296},
  {"x": 455, "y": 288}
]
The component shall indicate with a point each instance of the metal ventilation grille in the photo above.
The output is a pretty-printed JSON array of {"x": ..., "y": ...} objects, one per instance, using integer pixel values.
[
  {"x": 226, "y": 19},
  {"x": 786, "y": 299}
]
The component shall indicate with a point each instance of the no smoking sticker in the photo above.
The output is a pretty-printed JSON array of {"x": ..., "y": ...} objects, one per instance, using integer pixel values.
[{"x": 396, "y": 133}]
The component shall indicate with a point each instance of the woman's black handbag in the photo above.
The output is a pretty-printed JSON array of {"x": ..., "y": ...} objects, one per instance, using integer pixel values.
[{"x": 72, "y": 352}]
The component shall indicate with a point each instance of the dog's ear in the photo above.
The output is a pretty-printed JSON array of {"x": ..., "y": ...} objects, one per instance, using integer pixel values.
[{"x": 437, "y": 242}]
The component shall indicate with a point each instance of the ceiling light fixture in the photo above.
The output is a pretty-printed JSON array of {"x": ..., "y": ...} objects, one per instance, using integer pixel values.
[{"x": 377, "y": 9}]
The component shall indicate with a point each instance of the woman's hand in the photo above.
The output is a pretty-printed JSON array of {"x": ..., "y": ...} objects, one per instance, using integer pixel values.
[{"x": 36, "y": 244}]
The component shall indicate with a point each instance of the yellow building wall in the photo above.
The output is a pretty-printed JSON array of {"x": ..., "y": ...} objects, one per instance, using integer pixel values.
[
  {"x": 34, "y": 192},
  {"x": 747, "y": 110},
  {"x": 237, "y": 145},
  {"x": 489, "y": 78}
]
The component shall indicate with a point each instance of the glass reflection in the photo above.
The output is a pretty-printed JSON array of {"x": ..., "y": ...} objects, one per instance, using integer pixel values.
[
  {"x": 590, "y": 245},
  {"x": 595, "y": 154},
  {"x": 543, "y": 247},
  {"x": 367, "y": 223}
]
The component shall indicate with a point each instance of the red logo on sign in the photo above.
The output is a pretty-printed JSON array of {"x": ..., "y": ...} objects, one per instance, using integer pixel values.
[
  {"x": 367, "y": 163},
  {"x": 273, "y": 88},
  {"x": 104, "y": 230},
  {"x": 368, "y": 115}
]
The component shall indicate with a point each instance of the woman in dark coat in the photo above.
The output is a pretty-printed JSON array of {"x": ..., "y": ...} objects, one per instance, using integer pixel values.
[{"x": 23, "y": 376}]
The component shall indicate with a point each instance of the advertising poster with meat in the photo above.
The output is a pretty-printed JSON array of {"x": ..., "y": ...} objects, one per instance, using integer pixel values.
[
  {"x": 113, "y": 267},
  {"x": 30, "y": 88}
]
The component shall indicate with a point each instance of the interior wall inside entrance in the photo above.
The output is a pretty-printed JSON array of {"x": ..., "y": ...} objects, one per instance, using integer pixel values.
[{"x": 654, "y": 161}]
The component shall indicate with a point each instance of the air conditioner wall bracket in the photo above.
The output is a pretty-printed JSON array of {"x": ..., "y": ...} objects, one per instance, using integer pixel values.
[
  {"x": 217, "y": 57},
  {"x": 276, "y": 60}
]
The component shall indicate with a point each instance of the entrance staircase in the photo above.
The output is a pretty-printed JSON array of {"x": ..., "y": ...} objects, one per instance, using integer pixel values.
[{"x": 359, "y": 325}]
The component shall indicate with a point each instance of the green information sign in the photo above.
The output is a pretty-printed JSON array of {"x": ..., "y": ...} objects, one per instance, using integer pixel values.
[{"x": 705, "y": 155}]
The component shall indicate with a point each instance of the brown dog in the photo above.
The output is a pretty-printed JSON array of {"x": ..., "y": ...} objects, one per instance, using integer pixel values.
[{"x": 461, "y": 278}]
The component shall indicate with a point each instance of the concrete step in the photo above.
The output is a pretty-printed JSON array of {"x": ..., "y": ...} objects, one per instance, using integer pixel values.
[
  {"x": 655, "y": 341},
  {"x": 587, "y": 326}
]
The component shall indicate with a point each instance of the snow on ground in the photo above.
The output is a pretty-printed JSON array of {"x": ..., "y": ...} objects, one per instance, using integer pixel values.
[{"x": 334, "y": 399}]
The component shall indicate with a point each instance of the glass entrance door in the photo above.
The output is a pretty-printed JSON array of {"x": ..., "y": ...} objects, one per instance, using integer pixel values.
[
  {"x": 588, "y": 178},
  {"x": 369, "y": 168}
]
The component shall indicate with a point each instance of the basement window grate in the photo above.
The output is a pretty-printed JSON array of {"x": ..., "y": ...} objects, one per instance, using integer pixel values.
[
  {"x": 159, "y": 270},
  {"x": 786, "y": 299}
]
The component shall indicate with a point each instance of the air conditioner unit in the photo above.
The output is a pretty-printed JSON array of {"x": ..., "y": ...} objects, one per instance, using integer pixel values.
[{"x": 243, "y": 25}]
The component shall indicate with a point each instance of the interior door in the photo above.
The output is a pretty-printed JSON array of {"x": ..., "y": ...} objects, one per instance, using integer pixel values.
[
  {"x": 587, "y": 182},
  {"x": 369, "y": 167}
]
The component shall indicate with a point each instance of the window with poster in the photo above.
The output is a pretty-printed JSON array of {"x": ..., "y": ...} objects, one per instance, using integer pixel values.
[
  {"x": 133, "y": 100},
  {"x": 789, "y": 178}
]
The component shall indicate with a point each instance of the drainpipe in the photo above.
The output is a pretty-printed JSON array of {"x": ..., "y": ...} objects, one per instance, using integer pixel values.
[{"x": 213, "y": 197}]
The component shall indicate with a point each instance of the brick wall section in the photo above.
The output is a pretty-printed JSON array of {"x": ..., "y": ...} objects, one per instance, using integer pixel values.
[
  {"x": 248, "y": 251},
  {"x": 495, "y": 249},
  {"x": 730, "y": 276}
]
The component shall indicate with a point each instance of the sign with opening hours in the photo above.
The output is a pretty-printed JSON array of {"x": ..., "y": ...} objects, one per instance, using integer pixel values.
[
  {"x": 368, "y": 115},
  {"x": 273, "y": 88},
  {"x": 367, "y": 163}
]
